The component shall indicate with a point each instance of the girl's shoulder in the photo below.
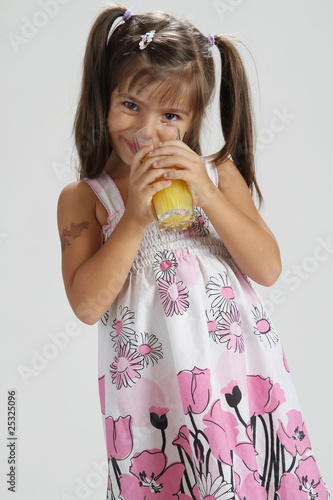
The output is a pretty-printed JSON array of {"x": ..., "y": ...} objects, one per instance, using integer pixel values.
[
  {"x": 233, "y": 186},
  {"x": 228, "y": 173},
  {"x": 75, "y": 195},
  {"x": 78, "y": 201},
  {"x": 224, "y": 170},
  {"x": 87, "y": 198}
]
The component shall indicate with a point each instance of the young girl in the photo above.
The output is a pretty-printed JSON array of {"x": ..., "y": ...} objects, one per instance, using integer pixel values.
[{"x": 195, "y": 391}]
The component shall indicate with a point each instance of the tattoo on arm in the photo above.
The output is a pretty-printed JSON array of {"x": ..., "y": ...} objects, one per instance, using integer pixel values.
[{"x": 75, "y": 231}]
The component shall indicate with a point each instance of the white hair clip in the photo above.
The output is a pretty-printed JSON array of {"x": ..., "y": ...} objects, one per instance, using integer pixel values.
[
  {"x": 146, "y": 39},
  {"x": 118, "y": 22}
]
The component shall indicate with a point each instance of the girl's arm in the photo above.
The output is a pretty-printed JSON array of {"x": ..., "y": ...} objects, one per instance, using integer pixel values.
[
  {"x": 249, "y": 240},
  {"x": 93, "y": 272},
  {"x": 230, "y": 209}
]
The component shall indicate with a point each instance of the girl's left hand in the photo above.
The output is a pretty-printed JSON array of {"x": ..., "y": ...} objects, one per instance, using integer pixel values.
[{"x": 188, "y": 167}]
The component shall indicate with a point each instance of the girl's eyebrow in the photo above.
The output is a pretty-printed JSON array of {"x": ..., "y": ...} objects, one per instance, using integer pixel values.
[
  {"x": 170, "y": 110},
  {"x": 129, "y": 97},
  {"x": 178, "y": 111}
]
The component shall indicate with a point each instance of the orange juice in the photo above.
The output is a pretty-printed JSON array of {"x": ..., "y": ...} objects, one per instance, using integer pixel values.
[{"x": 173, "y": 207}]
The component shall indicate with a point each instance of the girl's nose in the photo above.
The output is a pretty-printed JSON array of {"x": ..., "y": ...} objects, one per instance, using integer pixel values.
[
  {"x": 147, "y": 124},
  {"x": 148, "y": 119}
]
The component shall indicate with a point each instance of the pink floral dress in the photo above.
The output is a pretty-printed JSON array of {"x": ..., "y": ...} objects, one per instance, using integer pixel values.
[{"x": 196, "y": 394}]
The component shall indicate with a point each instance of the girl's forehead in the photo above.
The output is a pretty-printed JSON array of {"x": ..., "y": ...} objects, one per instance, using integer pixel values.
[{"x": 164, "y": 92}]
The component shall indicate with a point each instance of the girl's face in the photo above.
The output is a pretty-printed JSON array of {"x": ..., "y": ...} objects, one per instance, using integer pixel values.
[{"x": 131, "y": 110}]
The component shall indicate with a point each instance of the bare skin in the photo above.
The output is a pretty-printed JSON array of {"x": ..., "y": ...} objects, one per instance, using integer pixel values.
[
  {"x": 93, "y": 272},
  {"x": 75, "y": 231}
]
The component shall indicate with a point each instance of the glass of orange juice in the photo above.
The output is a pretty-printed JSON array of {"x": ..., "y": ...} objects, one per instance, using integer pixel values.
[{"x": 173, "y": 205}]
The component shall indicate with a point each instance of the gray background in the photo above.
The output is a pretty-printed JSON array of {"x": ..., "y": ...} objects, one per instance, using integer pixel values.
[{"x": 60, "y": 448}]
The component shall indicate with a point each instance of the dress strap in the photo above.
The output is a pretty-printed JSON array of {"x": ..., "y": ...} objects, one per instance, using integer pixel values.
[
  {"x": 211, "y": 169},
  {"x": 108, "y": 194}
]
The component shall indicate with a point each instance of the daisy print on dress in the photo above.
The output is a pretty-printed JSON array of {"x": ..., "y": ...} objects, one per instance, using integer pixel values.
[
  {"x": 121, "y": 332},
  {"x": 173, "y": 296},
  {"x": 105, "y": 318},
  {"x": 232, "y": 332},
  {"x": 126, "y": 367},
  {"x": 214, "y": 490},
  {"x": 222, "y": 292},
  {"x": 214, "y": 324},
  {"x": 264, "y": 328},
  {"x": 201, "y": 222},
  {"x": 164, "y": 265},
  {"x": 148, "y": 346}
]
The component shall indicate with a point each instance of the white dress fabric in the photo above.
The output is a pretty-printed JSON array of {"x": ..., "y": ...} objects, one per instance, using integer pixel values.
[{"x": 196, "y": 395}]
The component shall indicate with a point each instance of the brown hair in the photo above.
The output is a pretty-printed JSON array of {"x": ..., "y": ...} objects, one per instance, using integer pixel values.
[{"x": 179, "y": 59}]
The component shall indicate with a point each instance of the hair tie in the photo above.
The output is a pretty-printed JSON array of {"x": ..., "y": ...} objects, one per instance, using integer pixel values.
[
  {"x": 146, "y": 39},
  {"x": 125, "y": 17},
  {"x": 211, "y": 40}
]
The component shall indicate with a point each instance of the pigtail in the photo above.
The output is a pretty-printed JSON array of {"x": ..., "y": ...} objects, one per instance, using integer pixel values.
[
  {"x": 236, "y": 113},
  {"x": 90, "y": 123}
]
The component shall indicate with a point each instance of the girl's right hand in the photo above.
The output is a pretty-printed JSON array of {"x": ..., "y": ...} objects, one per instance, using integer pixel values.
[{"x": 142, "y": 185}]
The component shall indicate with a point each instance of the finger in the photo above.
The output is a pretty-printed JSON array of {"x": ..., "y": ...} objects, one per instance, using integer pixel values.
[
  {"x": 150, "y": 177},
  {"x": 181, "y": 162},
  {"x": 174, "y": 142},
  {"x": 139, "y": 157},
  {"x": 163, "y": 147},
  {"x": 177, "y": 155},
  {"x": 158, "y": 186},
  {"x": 156, "y": 174},
  {"x": 140, "y": 171},
  {"x": 200, "y": 189},
  {"x": 139, "y": 168},
  {"x": 177, "y": 174}
]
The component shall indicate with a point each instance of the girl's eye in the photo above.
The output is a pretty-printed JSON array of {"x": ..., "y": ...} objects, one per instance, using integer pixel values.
[
  {"x": 171, "y": 117},
  {"x": 130, "y": 105}
]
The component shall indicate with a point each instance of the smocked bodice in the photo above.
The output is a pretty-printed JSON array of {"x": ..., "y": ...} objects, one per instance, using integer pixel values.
[{"x": 201, "y": 238}]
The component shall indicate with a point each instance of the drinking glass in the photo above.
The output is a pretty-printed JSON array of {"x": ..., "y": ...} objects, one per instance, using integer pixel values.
[{"x": 173, "y": 205}]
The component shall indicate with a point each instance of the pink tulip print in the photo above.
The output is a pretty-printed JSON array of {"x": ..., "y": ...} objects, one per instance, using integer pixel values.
[
  {"x": 195, "y": 390},
  {"x": 183, "y": 440},
  {"x": 218, "y": 440},
  {"x": 264, "y": 396},
  {"x": 249, "y": 488},
  {"x": 221, "y": 432},
  {"x": 150, "y": 478},
  {"x": 294, "y": 436},
  {"x": 304, "y": 484},
  {"x": 119, "y": 438},
  {"x": 215, "y": 445}
]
